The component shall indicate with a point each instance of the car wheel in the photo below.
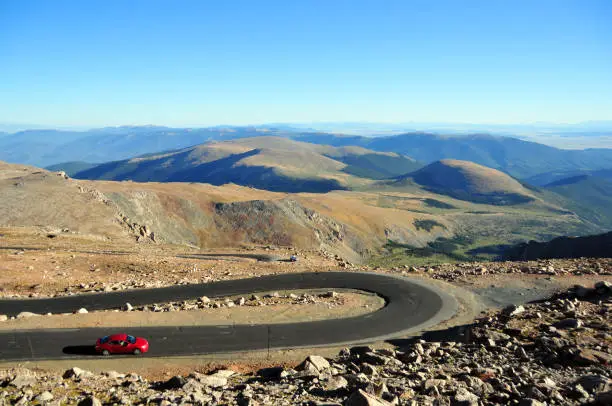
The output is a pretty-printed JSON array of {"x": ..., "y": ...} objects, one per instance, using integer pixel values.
[
  {"x": 105, "y": 352},
  {"x": 137, "y": 351}
]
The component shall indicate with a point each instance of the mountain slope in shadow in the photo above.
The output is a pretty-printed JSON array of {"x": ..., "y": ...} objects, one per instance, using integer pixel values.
[{"x": 468, "y": 181}]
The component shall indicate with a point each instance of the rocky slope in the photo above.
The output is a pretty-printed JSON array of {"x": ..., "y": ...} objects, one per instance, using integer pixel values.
[{"x": 554, "y": 352}]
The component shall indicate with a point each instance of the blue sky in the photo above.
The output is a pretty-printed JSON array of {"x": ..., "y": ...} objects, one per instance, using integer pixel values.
[{"x": 92, "y": 63}]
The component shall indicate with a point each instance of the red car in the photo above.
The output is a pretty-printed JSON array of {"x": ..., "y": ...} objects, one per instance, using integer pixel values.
[{"x": 121, "y": 344}]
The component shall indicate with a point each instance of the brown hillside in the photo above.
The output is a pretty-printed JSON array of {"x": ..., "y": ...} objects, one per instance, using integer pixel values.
[
  {"x": 469, "y": 181},
  {"x": 270, "y": 163},
  {"x": 349, "y": 223}
]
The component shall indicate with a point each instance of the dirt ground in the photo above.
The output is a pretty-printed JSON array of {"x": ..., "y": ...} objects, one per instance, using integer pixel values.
[{"x": 345, "y": 304}]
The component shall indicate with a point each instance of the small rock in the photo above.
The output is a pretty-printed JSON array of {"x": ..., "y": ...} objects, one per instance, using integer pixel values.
[
  {"x": 464, "y": 397},
  {"x": 513, "y": 310},
  {"x": 76, "y": 372},
  {"x": 335, "y": 383},
  {"x": 46, "y": 396},
  {"x": 113, "y": 375},
  {"x": 3, "y": 317},
  {"x": 213, "y": 381},
  {"x": 318, "y": 362},
  {"x": 128, "y": 307},
  {"x": 25, "y": 315},
  {"x": 362, "y": 398},
  {"x": 82, "y": 310}
]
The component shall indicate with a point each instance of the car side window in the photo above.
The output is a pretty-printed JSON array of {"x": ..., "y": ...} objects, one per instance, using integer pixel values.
[{"x": 114, "y": 342}]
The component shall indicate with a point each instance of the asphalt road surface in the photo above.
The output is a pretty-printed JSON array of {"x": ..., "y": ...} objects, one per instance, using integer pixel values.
[{"x": 410, "y": 306}]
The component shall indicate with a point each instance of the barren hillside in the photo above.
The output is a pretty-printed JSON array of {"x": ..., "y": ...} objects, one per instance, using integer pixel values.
[
  {"x": 469, "y": 181},
  {"x": 270, "y": 163},
  {"x": 352, "y": 224}
]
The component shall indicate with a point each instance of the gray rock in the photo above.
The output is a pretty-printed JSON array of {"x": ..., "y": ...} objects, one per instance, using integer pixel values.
[
  {"x": 22, "y": 380},
  {"x": 76, "y": 372},
  {"x": 513, "y": 310},
  {"x": 3, "y": 317},
  {"x": 307, "y": 368},
  {"x": 313, "y": 365},
  {"x": 362, "y": 398},
  {"x": 114, "y": 375},
  {"x": 373, "y": 358},
  {"x": 335, "y": 383},
  {"x": 213, "y": 381},
  {"x": 46, "y": 396},
  {"x": 26, "y": 315},
  {"x": 82, "y": 310},
  {"x": 192, "y": 386},
  {"x": 464, "y": 397}
]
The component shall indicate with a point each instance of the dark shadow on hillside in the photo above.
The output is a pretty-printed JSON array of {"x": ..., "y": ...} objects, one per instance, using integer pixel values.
[
  {"x": 225, "y": 170},
  {"x": 592, "y": 246},
  {"x": 218, "y": 172},
  {"x": 258, "y": 257},
  {"x": 460, "y": 334}
]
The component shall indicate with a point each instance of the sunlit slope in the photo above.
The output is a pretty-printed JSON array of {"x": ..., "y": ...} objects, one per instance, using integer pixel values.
[{"x": 269, "y": 163}]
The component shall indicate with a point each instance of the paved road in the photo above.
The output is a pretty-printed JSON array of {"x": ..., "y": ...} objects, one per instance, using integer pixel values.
[{"x": 410, "y": 305}]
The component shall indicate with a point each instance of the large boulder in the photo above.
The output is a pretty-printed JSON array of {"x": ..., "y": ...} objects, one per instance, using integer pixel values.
[{"x": 76, "y": 372}]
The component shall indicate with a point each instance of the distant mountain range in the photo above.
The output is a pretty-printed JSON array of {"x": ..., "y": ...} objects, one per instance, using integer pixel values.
[
  {"x": 516, "y": 157},
  {"x": 521, "y": 159},
  {"x": 49, "y": 147}
]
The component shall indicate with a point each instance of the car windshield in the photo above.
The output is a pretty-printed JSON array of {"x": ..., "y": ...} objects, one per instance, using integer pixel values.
[
  {"x": 104, "y": 340},
  {"x": 131, "y": 339}
]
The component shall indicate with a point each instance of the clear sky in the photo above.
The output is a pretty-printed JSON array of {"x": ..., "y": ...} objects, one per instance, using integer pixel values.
[{"x": 204, "y": 62}]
